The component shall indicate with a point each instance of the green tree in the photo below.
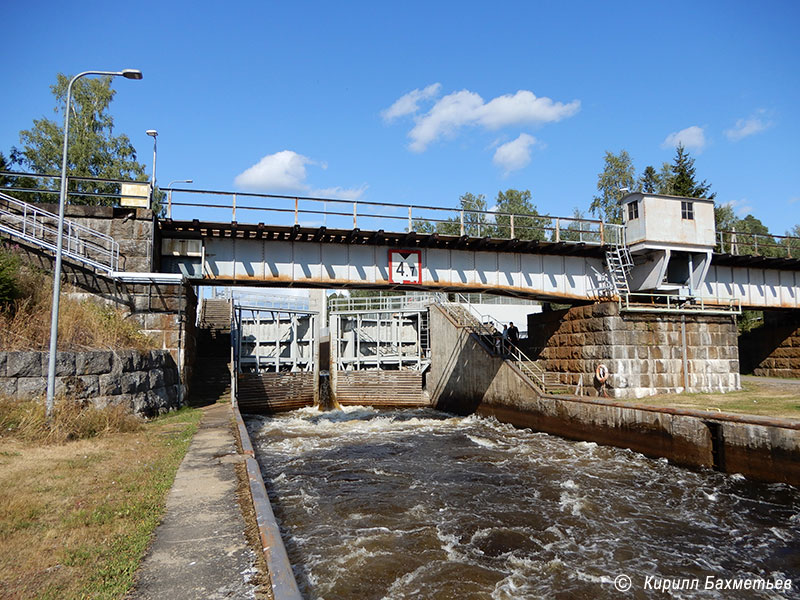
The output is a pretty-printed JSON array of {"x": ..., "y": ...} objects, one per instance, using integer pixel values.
[
  {"x": 683, "y": 177},
  {"x": 666, "y": 180},
  {"x": 792, "y": 242},
  {"x": 649, "y": 180},
  {"x": 4, "y": 166},
  {"x": 618, "y": 173},
  {"x": 753, "y": 237},
  {"x": 476, "y": 219},
  {"x": 94, "y": 150},
  {"x": 528, "y": 227}
]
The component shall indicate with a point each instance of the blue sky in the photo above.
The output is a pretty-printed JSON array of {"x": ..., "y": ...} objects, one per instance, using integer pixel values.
[{"x": 420, "y": 102}]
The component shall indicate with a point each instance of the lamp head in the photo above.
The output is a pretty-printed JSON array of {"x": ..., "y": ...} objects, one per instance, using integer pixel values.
[
  {"x": 151, "y": 132},
  {"x": 131, "y": 73}
]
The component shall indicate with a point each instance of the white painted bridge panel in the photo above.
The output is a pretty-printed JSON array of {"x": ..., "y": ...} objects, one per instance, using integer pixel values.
[
  {"x": 309, "y": 263},
  {"x": 755, "y": 287}
]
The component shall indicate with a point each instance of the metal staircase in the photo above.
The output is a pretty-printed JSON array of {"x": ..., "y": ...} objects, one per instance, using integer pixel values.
[
  {"x": 487, "y": 329},
  {"x": 40, "y": 228}
]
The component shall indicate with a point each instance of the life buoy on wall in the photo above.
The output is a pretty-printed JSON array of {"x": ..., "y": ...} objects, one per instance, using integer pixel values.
[{"x": 602, "y": 373}]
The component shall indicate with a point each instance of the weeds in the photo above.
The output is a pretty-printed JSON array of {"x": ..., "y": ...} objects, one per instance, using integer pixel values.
[
  {"x": 26, "y": 420},
  {"x": 25, "y": 304}
]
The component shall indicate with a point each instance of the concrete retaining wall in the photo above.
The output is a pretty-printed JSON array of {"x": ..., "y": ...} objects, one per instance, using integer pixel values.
[
  {"x": 646, "y": 353},
  {"x": 466, "y": 379},
  {"x": 145, "y": 381}
]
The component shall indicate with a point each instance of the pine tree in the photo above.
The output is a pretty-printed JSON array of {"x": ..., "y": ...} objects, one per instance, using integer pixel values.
[{"x": 683, "y": 177}]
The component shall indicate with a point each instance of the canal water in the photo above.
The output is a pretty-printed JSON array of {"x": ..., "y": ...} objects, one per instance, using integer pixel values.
[{"x": 420, "y": 504}]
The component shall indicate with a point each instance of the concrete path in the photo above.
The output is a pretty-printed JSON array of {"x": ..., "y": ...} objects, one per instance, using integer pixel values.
[{"x": 200, "y": 550}]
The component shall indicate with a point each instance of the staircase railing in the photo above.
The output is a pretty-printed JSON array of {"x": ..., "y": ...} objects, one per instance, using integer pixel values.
[
  {"x": 486, "y": 327},
  {"x": 40, "y": 228}
]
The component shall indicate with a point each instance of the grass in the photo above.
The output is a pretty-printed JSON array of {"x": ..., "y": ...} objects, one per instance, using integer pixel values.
[
  {"x": 25, "y": 301},
  {"x": 76, "y": 517},
  {"x": 769, "y": 398}
]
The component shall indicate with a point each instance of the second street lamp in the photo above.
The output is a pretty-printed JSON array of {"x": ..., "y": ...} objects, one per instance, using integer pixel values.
[{"x": 154, "y": 134}]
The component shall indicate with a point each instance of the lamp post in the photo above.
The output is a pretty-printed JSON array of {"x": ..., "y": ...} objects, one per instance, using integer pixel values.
[
  {"x": 169, "y": 194},
  {"x": 51, "y": 363},
  {"x": 153, "y": 134}
]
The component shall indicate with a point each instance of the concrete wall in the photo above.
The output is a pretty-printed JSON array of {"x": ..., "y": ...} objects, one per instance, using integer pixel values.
[
  {"x": 465, "y": 379},
  {"x": 145, "y": 381},
  {"x": 646, "y": 353},
  {"x": 773, "y": 350}
]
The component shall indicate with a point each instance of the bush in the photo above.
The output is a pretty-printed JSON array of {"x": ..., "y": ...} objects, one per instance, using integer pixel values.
[{"x": 9, "y": 275}]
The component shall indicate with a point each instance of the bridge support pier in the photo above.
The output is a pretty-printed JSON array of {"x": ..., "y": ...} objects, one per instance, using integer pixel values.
[
  {"x": 773, "y": 350},
  {"x": 646, "y": 353}
]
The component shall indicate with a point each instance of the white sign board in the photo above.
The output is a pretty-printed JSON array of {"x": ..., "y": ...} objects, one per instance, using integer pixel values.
[
  {"x": 405, "y": 266},
  {"x": 135, "y": 195}
]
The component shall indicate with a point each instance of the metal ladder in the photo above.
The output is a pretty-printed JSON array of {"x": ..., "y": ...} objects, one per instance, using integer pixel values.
[{"x": 619, "y": 262}]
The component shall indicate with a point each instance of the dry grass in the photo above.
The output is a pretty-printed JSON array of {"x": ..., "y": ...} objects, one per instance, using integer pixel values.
[
  {"x": 766, "y": 397},
  {"x": 25, "y": 320},
  {"x": 26, "y": 420},
  {"x": 76, "y": 517}
]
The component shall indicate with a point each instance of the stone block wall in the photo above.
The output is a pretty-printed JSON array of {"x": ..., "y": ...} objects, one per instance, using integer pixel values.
[
  {"x": 644, "y": 352},
  {"x": 146, "y": 382},
  {"x": 773, "y": 350},
  {"x": 133, "y": 228},
  {"x": 167, "y": 313}
]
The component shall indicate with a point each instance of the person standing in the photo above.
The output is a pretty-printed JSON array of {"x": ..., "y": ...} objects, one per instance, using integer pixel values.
[{"x": 513, "y": 334}]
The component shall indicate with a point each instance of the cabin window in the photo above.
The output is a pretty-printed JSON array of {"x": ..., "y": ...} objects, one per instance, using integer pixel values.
[
  {"x": 633, "y": 210},
  {"x": 687, "y": 210}
]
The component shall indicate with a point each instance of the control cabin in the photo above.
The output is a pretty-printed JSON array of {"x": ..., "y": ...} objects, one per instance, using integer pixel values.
[{"x": 671, "y": 240}]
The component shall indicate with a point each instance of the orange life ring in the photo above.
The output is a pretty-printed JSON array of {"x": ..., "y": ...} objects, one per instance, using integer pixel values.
[{"x": 602, "y": 373}]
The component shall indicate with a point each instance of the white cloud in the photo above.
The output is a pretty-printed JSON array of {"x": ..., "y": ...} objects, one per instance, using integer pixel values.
[
  {"x": 515, "y": 154},
  {"x": 282, "y": 171},
  {"x": 747, "y": 127},
  {"x": 409, "y": 103},
  {"x": 740, "y": 207},
  {"x": 794, "y": 200},
  {"x": 692, "y": 138},
  {"x": 465, "y": 108},
  {"x": 341, "y": 193},
  {"x": 285, "y": 172}
]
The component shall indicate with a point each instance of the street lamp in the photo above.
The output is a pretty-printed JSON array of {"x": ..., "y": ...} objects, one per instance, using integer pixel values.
[
  {"x": 51, "y": 362},
  {"x": 153, "y": 134},
  {"x": 169, "y": 194}
]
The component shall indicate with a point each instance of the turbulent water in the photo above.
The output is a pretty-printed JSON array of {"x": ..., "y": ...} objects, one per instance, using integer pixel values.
[{"x": 421, "y": 504}]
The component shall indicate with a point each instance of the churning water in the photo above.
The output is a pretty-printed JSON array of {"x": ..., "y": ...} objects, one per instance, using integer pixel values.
[{"x": 421, "y": 504}]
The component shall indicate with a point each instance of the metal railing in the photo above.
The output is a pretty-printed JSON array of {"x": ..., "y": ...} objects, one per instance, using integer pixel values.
[
  {"x": 643, "y": 302},
  {"x": 40, "y": 227},
  {"x": 487, "y": 328},
  {"x": 383, "y": 303},
  {"x": 758, "y": 244},
  {"x": 352, "y": 214}
]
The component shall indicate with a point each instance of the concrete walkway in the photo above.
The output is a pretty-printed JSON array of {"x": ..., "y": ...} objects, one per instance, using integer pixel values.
[{"x": 200, "y": 550}]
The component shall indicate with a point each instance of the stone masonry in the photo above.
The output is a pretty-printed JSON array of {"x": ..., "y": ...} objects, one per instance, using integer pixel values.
[
  {"x": 773, "y": 350},
  {"x": 644, "y": 352},
  {"x": 146, "y": 382}
]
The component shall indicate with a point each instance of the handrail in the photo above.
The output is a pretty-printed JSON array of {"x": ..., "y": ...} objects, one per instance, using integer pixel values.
[
  {"x": 745, "y": 243},
  {"x": 40, "y": 227},
  {"x": 480, "y": 325},
  {"x": 670, "y": 303}
]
